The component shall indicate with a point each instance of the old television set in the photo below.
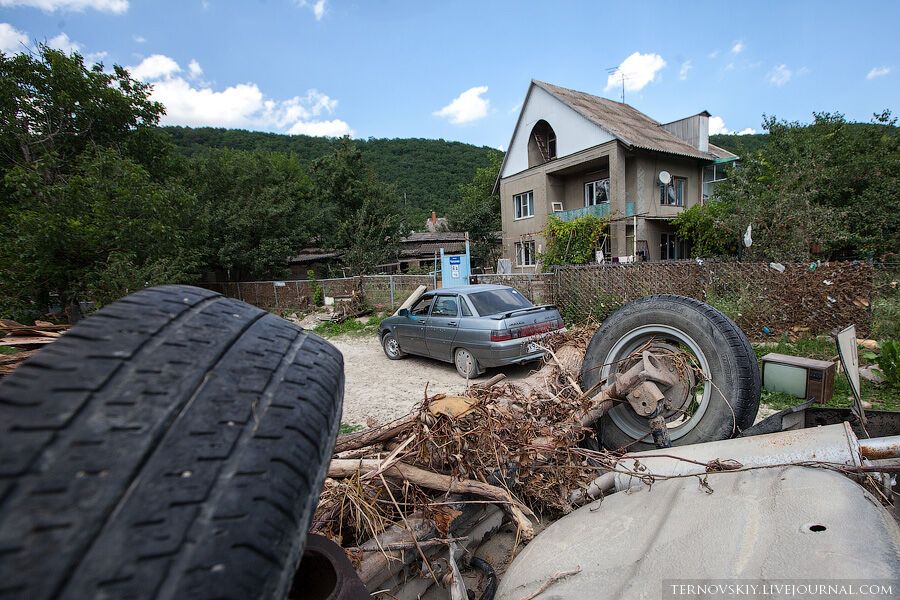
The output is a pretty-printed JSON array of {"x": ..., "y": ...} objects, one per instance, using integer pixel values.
[{"x": 805, "y": 378}]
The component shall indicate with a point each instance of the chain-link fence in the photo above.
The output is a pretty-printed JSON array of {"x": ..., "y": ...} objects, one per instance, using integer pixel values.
[
  {"x": 537, "y": 287},
  {"x": 383, "y": 292},
  {"x": 765, "y": 300}
]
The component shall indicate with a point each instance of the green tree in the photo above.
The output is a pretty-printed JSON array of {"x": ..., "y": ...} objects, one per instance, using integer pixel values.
[
  {"x": 104, "y": 230},
  {"x": 87, "y": 211},
  {"x": 256, "y": 209},
  {"x": 363, "y": 217},
  {"x": 477, "y": 210},
  {"x": 830, "y": 185}
]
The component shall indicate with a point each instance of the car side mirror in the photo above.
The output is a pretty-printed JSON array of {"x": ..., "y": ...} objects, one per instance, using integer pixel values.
[{"x": 403, "y": 312}]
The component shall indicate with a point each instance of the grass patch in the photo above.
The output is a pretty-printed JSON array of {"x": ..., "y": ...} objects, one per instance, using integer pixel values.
[
  {"x": 881, "y": 396},
  {"x": 9, "y": 350},
  {"x": 347, "y": 428},
  {"x": 350, "y": 326}
]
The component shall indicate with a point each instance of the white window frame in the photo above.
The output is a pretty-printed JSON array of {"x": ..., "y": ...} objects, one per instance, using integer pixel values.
[
  {"x": 589, "y": 197},
  {"x": 519, "y": 206},
  {"x": 664, "y": 193},
  {"x": 719, "y": 173},
  {"x": 522, "y": 254}
]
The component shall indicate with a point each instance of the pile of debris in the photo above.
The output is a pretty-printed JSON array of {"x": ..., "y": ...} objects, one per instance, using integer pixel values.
[
  {"x": 398, "y": 495},
  {"x": 25, "y": 340}
]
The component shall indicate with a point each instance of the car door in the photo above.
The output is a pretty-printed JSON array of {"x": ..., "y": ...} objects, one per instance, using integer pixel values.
[
  {"x": 410, "y": 331},
  {"x": 442, "y": 327}
]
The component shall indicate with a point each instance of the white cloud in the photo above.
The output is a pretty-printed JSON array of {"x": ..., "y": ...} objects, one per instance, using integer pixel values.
[
  {"x": 717, "y": 125},
  {"x": 63, "y": 43},
  {"x": 333, "y": 128},
  {"x": 685, "y": 67},
  {"x": 515, "y": 109},
  {"x": 12, "y": 41},
  {"x": 713, "y": 54},
  {"x": 242, "y": 105},
  {"x": 113, "y": 6},
  {"x": 467, "y": 107},
  {"x": 139, "y": 39},
  {"x": 638, "y": 70},
  {"x": 738, "y": 47},
  {"x": 780, "y": 75},
  {"x": 155, "y": 66},
  {"x": 878, "y": 72},
  {"x": 195, "y": 69},
  {"x": 316, "y": 6}
]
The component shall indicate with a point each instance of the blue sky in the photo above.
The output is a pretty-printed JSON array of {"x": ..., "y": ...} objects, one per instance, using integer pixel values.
[{"x": 459, "y": 70}]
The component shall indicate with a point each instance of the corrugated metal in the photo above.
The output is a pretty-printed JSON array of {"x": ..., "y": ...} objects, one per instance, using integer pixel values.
[{"x": 625, "y": 122}]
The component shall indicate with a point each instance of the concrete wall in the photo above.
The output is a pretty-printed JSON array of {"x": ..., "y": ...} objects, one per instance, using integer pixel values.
[
  {"x": 633, "y": 179},
  {"x": 574, "y": 133}
]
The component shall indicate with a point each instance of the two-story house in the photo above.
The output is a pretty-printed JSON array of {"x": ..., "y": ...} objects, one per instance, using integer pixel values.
[{"x": 572, "y": 153}]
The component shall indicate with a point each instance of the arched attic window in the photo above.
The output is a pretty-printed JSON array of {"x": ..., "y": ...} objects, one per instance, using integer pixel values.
[{"x": 541, "y": 144}]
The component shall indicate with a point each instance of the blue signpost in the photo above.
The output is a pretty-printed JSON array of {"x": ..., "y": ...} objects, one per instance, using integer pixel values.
[{"x": 455, "y": 268}]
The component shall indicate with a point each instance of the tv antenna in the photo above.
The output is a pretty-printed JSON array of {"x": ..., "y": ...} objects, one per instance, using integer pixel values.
[{"x": 619, "y": 73}]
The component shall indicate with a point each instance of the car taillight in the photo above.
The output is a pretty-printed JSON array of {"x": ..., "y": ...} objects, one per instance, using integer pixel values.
[{"x": 501, "y": 335}]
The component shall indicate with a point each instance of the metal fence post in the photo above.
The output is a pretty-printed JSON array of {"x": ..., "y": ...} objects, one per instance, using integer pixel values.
[{"x": 392, "y": 291}]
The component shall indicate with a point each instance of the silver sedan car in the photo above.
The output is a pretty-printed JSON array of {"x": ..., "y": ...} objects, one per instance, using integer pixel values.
[{"x": 473, "y": 327}]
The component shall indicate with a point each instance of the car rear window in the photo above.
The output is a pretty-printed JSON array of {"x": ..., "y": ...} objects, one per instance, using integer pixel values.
[{"x": 497, "y": 301}]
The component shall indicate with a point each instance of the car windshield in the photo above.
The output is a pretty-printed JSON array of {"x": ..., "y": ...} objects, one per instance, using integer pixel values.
[{"x": 497, "y": 301}]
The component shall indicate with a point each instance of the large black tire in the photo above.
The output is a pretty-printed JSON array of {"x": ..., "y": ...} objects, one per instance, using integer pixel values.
[
  {"x": 173, "y": 445},
  {"x": 732, "y": 365}
]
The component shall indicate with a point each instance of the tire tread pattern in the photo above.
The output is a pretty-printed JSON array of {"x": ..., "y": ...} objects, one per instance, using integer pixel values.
[{"x": 171, "y": 445}]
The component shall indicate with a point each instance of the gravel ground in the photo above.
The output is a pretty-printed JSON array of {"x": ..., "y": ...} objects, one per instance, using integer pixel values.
[{"x": 387, "y": 389}]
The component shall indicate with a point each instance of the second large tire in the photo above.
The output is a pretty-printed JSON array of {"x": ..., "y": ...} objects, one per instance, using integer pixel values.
[
  {"x": 173, "y": 445},
  {"x": 735, "y": 383}
]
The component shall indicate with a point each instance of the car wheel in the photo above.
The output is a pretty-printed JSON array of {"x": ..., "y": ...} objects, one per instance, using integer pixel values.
[
  {"x": 171, "y": 445},
  {"x": 466, "y": 365},
  {"x": 721, "y": 396},
  {"x": 391, "y": 347}
]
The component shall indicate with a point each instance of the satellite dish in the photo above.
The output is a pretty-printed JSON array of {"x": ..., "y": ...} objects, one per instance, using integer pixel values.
[{"x": 664, "y": 177}]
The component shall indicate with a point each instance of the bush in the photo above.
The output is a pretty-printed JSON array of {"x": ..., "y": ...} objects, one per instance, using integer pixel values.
[
  {"x": 889, "y": 363},
  {"x": 571, "y": 242}
]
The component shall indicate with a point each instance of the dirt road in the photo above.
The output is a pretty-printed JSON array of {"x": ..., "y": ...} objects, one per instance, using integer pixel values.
[{"x": 386, "y": 389}]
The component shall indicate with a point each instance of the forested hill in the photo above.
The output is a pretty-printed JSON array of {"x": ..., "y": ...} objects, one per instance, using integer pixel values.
[
  {"x": 428, "y": 172},
  {"x": 742, "y": 145}
]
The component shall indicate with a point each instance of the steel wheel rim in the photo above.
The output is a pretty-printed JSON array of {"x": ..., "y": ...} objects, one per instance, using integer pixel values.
[
  {"x": 622, "y": 415},
  {"x": 392, "y": 347},
  {"x": 464, "y": 362}
]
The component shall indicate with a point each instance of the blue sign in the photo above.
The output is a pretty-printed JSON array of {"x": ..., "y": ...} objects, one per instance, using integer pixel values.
[{"x": 455, "y": 260}]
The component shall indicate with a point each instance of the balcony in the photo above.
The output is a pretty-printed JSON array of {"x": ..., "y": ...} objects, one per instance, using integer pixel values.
[{"x": 597, "y": 210}]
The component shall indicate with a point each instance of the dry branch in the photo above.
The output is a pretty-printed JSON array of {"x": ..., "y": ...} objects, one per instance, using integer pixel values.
[{"x": 436, "y": 481}]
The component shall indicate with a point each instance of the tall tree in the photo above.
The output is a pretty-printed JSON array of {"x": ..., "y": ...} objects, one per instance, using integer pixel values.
[
  {"x": 831, "y": 186},
  {"x": 477, "y": 210},
  {"x": 86, "y": 210},
  {"x": 256, "y": 209}
]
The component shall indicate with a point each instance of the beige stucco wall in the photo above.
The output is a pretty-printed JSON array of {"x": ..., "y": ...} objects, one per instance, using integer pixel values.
[{"x": 633, "y": 178}]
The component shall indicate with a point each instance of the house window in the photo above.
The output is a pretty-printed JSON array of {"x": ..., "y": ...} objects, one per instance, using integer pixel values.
[
  {"x": 675, "y": 193},
  {"x": 713, "y": 174},
  {"x": 671, "y": 247},
  {"x": 524, "y": 205},
  {"x": 596, "y": 192},
  {"x": 525, "y": 256}
]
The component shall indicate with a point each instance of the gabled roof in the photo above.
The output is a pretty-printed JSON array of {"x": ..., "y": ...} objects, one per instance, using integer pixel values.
[{"x": 629, "y": 125}]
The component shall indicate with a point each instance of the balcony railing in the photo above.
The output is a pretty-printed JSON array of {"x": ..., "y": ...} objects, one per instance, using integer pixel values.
[{"x": 598, "y": 210}]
